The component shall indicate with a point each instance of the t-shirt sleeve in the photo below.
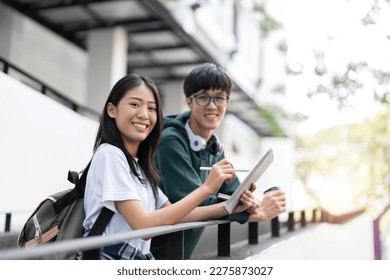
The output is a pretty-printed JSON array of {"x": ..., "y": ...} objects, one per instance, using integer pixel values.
[
  {"x": 162, "y": 198},
  {"x": 115, "y": 176}
]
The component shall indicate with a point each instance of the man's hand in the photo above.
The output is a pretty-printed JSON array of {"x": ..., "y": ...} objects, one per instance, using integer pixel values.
[{"x": 270, "y": 207}]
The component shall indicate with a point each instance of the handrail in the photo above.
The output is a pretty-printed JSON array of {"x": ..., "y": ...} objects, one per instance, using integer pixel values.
[
  {"x": 45, "y": 89},
  {"x": 340, "y": 219},
  {"x": 98, "y": 241},
  {"x": 175, "y": 236},
  {"x": 321, "y": 215},
  {"x": 175, "y": 239}
]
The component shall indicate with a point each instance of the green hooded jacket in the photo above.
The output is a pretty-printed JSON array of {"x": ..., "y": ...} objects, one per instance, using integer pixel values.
[{"x": 179, "y": 167}]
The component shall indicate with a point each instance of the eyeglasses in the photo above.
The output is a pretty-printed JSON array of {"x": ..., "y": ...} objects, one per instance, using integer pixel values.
[{"x": 202, "y": 99}]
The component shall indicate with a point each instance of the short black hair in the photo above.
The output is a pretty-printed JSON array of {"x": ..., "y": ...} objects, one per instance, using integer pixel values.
[{"x": 207, "y": 76}]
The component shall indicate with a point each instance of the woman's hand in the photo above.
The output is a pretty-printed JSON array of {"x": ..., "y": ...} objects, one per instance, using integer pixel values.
[
  {"x": 255, "y": 203},
  {"x": 246, "y": 201},
  {"x": 220, "y": 172},
  {"x": 254, "y": 207}
]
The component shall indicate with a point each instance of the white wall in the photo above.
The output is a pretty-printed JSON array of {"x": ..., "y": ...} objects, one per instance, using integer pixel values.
[
  {"x": 40, "y": 141},
  {"x": 242, "y": 144},
  {"x": 43, "y": 54},
  {"x": 173, "y": 99},
  {"x": 281, "y": 172}
]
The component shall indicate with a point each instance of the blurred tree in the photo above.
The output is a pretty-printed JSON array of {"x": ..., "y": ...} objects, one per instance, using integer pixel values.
[
  {"x": 268, "y": 23},
  {"x": 340, "y": 86},
  {"x": 272, "y": 115},
  {"x": 344, "y": 166}
]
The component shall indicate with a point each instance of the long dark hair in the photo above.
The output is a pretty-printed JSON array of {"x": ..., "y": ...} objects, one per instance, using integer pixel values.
[{"x": 108, "y": 131}]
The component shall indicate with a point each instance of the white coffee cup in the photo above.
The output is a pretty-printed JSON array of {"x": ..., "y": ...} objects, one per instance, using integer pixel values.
[{"x": 271, "y": 191}]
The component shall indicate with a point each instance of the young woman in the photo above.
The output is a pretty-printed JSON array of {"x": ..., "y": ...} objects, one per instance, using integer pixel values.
[{"x": 122, "y": 175}]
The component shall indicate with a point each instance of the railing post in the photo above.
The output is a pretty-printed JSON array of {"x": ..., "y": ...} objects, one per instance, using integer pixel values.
[
  {"x": 275, "y": 226},
  {"x": 303, "y": 218},
  {"x": 253, "y": 233},
  {"x": 7, "y": 222},
  {"x": 290, "y": 221},
  {"x": 377, "y": 241},
  {"x": 5, "y": 67},
  {"x": 224, "y": 240},
  {"x": 314, "y": 218},
  {"x": 175, "y": 244}
]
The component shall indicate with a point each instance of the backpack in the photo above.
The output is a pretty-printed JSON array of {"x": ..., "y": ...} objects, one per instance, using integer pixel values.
[{"x": 60, "y": 217}]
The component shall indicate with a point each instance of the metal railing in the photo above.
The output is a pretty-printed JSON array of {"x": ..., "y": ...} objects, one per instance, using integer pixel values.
[
  {"x": 175, "y": 241},
  {"x": 175, "y": 235},
  {"x": 16, "y": 72}
]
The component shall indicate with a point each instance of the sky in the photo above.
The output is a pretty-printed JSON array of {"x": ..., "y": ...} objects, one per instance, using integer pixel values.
[{"x": 334, "y": 26}]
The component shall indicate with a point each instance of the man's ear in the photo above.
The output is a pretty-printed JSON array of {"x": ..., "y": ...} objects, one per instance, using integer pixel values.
[
  {"x": 189, "y": 102},
  {"x": 111, "y": 110}
]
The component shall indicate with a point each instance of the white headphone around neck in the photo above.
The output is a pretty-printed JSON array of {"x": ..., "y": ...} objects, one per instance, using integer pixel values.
[{"x": 198, "y": 143}]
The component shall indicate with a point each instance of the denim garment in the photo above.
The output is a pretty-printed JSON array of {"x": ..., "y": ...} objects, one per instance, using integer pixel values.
[{"x": 123, "y": 251}]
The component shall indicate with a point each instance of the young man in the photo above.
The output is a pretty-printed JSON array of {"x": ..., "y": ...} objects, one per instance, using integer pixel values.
[{"x": 189, "y": 142}]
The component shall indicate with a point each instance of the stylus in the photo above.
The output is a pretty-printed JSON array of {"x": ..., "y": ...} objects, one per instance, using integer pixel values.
[{"x": 235, "y": 170}]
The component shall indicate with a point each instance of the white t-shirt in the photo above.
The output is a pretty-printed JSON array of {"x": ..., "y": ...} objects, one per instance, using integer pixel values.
[{"x": 110, "y": 179}]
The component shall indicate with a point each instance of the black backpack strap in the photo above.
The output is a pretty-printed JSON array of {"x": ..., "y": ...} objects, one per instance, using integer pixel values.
[
  {"x": 77, "y": 192},
  {"x": 101, "y": 222},
  {"x": 97, "y": 229}
]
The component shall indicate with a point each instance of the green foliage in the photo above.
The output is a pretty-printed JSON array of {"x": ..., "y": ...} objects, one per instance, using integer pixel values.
[
  {"x": 271, "y": 115},
  {"x": 385, "y": 223},
  {"x": 279, "y": 89},
  {"x": 268, "y": 23},
  {"x": 340, "y": 86}
]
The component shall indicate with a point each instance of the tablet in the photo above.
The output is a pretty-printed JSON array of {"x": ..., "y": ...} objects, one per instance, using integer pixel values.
[{"x": 252, "y": 177}]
